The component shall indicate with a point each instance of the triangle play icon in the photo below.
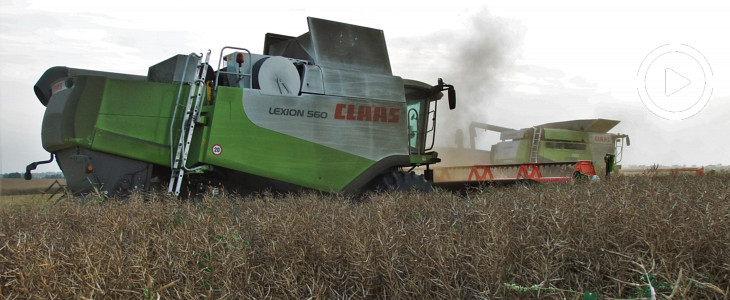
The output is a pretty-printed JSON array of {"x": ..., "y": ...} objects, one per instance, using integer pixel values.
[{"x": 674, "y": 82}]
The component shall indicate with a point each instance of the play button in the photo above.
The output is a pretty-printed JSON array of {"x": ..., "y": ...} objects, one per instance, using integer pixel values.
[{"x": 675, "y": 81}]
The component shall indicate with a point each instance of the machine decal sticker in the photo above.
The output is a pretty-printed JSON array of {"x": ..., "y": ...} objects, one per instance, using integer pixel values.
[
  {"x": 216, "y": 149},
  {"x": 366, "y": 113},
  {"x": 601, "y": 138},
  {"x": 302, "y": 113},
  {"x": 371, "y": 129}
]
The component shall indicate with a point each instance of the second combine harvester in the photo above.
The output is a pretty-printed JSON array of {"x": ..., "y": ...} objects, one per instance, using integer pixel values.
[{"x": 321, "y": 111}]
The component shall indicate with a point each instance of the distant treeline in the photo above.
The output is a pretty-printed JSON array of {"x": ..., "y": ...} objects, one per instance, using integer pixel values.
[{"x": 35, "y": 175}]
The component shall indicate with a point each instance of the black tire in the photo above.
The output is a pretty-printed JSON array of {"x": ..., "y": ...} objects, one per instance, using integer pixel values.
[
  {"x": 402, "y": 182},
  {"x": 578, "y": 176}
]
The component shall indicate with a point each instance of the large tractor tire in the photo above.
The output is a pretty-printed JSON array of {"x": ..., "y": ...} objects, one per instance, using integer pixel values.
[{"x": 402, "y": 182}]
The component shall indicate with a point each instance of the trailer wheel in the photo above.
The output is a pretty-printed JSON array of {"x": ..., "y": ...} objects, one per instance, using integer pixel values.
[{"x": 402, "y": 182}]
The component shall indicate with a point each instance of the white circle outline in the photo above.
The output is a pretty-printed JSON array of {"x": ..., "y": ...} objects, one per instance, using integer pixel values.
[
  {"x": 660, "y": 111},
  {"x": 704, "y": 83}
]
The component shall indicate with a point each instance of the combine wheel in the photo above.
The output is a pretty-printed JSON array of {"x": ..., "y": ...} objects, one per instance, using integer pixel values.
[
  {"x": 402, "y": 182},
  {"x": 578, "y": 176}
]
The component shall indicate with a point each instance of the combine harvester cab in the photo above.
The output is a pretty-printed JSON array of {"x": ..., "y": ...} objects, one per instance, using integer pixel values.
[{"x": 320, "y": 111}]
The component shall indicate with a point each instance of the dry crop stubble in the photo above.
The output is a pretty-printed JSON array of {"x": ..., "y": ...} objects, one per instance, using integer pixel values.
[{"x": 625, "y": 238}]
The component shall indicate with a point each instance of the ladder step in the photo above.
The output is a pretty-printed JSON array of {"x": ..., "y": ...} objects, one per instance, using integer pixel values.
[
  {"x": 194, "y": 100},
  {"x": 535, "y": 147}
]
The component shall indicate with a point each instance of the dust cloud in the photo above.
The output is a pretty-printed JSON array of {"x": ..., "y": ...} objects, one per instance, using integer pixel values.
[{"x": 474, "y": 59}]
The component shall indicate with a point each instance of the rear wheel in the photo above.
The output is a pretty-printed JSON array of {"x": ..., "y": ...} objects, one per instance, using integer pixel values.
[{"x": 402, "y": 182}]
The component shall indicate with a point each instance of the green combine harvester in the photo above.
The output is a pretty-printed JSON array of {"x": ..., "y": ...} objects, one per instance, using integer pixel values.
[
  {"x": 320, "y": 111},
  {"x": 547, "y": 153},
  {"x": 574, "y": 140}
]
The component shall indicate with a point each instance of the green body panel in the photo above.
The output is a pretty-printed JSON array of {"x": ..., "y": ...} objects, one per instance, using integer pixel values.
[
  {"x": 87, "y": 109},
  {"x": 122, "y": 117},
  {"x": 559, "y": 155},
  {"x": 564, "y": 135},
  {"x": 523, "y": 152},
  {"x": 255, "y": 150},
  {"x": 550, "y": 150},
  {"x": 134, "y": 120}
]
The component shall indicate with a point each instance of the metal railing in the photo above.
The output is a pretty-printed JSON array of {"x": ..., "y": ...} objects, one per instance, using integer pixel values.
[{"x": 240, "y": 74}]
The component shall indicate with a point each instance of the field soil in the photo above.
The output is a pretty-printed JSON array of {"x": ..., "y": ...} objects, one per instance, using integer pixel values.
[{"x": 650, "y": 237}]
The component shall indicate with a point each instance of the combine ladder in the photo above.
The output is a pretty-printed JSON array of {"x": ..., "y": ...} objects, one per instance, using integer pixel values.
[
  {"x": 189, "y": 119},
  {"x": 536, "y": 136}
]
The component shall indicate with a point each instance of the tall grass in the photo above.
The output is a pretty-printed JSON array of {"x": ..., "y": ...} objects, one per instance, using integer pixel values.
[{"x": 638, "y": 237}]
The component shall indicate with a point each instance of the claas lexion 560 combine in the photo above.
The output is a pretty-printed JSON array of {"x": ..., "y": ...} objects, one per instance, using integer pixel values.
[{"x": 320, "y": 111}]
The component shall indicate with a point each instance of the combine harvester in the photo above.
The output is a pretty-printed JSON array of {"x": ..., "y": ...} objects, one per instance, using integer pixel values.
[
  {"x": 552, "y": 152},
  {"x": 320, "y": 111}
]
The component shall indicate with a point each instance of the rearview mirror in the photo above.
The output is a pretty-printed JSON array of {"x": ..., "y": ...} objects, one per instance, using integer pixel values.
[
  {"x": 441, "y": 86},
  {"x": 452, "y": 98}
]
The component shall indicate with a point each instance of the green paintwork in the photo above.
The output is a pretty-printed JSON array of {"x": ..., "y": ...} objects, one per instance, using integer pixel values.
[
  {"x": 524, "y": 151},
  {"x": 127, "y": 118},
  {"x": 564, "y": 135},
  {"x": 122, "y": 117},
  {"x": 559, "y": 155},
  {"x": 255, "y": 150},
  {"x": 134, "y": 120},
  {"x": 546, "y": 154}
]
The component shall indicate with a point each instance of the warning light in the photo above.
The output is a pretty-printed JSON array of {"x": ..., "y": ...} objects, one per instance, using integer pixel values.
[
  {"x": 239, "y": 58},
  {"x": 89, "y": 169}
]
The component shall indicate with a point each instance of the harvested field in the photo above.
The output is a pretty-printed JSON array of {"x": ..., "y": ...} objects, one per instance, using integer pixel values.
[
  {"x": 637, "y": 237},
  {"x": 19, "y": 186}
]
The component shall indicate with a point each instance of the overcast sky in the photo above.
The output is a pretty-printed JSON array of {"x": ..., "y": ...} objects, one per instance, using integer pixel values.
[{"x": 513, "y": 65}]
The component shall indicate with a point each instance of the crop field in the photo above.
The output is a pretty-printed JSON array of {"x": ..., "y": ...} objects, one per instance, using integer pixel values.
[
  {"x": 19, "y": 186},
  {"x": 630, "y": 238}
]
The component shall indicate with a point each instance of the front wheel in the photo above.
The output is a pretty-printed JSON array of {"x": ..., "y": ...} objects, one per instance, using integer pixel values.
[{"x": 402, "y": 182}]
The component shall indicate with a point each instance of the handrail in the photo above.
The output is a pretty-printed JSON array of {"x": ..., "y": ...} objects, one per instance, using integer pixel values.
[
  {"x": 218, "y": 71},
  {"x": 177, "y": 103},
  {"x": 190, "y": 118},
  {"x": 433, "y": 125},
  {"x": 413, "y": 149}
]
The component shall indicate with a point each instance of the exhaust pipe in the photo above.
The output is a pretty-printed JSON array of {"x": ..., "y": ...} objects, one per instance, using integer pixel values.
[{"x": 32, "y": 166}]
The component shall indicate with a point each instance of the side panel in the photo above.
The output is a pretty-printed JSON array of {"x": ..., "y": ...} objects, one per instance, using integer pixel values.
[
  {"x": 71, "y": 114},
  {"x": 551, "y": 151},
  {"x": 122, "y": 117},
  {"x": 134, "y": 120},
  {"x": 564, "y": 135},
  {"x": 510, "y": 152},
  {"x": 322, "y": 142},
  {"x": 366, "y": 128},
  {"x": 326, "y": 152},
  {"x": 86, "y": 170}
]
